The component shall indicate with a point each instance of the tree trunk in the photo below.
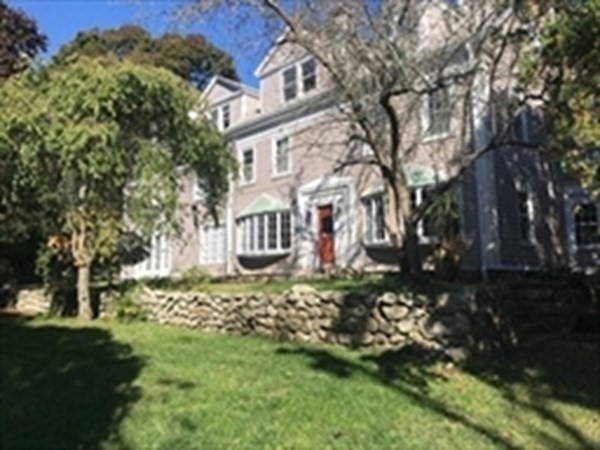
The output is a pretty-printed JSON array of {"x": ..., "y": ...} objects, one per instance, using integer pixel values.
[
  {"x": 402, "y": 233},
  {"x": 84, "y": 305},
  {"x": 410, "y": 258}
]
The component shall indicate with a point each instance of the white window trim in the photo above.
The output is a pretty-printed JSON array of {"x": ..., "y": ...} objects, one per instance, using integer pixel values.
[
  {"x": 164, "y": 269},
  {"x": 425, "y": 118},
  {"x": 266, "y": 251},
  {"x": 369, "y": 215},
  {"x": 592, "y": 246},
  {"x": 300, "y": 93},
  {"x": 530, "y": 217},
  {"x": 274, "y": 172},
  {"x": 423, "y": 239},
  {"x": 207, "y": 234},
  {"x": 244, "y": 182},
  {"x": 222, "y": 108}
]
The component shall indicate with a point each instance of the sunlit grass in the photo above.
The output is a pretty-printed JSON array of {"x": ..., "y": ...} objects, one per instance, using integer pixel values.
[{"x": 143, "y": 386}]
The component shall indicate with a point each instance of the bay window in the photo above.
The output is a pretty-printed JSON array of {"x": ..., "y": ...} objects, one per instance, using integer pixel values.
[{"x": 265, "y": 233}]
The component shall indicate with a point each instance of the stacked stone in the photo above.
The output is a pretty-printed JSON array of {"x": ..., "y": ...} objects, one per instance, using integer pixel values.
[{"x": 386, "y": 321}]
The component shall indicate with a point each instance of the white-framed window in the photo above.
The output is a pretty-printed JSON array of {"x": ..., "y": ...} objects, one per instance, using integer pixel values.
[
  {"x": 587, "y": 224},
  {"x": 438, "y": 112},
  {"x": 290, "y": 83},
  {"x": 225, "y": 117},
  {"x": 247, "y": 166},
  {"x": 374, "y": 230},
  {"x": 221, "y": 116},
  {"x": 374, "y": 227},
  {"x": 214, "y": 116},
  {"x": 264, "y": 234},
  {"x": 425, "y": 226},
  {"x": 309, "y": 75},
  {"x": 525, "y": 214},
  {"x": 212, "y": 244},
  {"x": 299, "y": 78},
  {"x": 281, "y": 156},
  {"x": 158, "y": 261}
]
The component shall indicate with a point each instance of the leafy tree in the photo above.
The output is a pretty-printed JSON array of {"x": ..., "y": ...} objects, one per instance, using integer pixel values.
[
  {"x": 104, "y": 160},
  {"x": 191, "y": 57},
  {"x": 20, "y": 40},
  {"x": 566, "y": 69}
]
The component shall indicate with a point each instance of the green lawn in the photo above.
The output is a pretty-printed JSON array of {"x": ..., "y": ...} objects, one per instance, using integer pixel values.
[{"x": 143, "y": 386}]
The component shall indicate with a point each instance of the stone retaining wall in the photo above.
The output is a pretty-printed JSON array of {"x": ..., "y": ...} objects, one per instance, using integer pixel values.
[{"x": 452, "y": 323}]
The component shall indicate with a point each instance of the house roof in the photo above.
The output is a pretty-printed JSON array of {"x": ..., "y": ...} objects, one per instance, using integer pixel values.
[
  {"x": 265, "y": 61},
  {"x": 232, "y": 85},
  {"x": 265, "y": 203}
]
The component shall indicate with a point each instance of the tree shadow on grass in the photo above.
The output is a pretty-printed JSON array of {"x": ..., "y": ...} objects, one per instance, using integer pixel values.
[
  {"x": 410, "y": 371},
  {"x": 63, "y": 387}
]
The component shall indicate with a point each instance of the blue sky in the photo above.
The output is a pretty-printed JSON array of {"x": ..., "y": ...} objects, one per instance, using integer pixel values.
[{"x": 60, "y": 20}]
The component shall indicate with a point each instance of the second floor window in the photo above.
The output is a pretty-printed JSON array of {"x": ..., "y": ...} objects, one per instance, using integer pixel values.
[
  {"x": 290, "y": 84},
  {"x": 587, "y": 224},
  {"x": 225, "y": 117},
  {"x": 247, "y": 166},
  {"x": 281, "y": 159},
  {"x": 439, "y": 112},
  {"x": 309, "y": 75},
  {"x": 525, "y": 212}
]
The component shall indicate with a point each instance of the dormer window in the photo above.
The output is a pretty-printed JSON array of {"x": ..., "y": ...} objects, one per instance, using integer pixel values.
[
  {"x": 221, "y": 117},
  {"x": 290, "y": 81},
  {"x": 309, "y": 75},
  {"x": 225, "y": 117},
  {"x": 299, "y": 79}
]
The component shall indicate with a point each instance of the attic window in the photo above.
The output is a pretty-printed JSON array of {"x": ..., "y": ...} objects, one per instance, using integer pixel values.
[
  {"x": 309, "y": 75},
  {"x": 290, "y": 87}
]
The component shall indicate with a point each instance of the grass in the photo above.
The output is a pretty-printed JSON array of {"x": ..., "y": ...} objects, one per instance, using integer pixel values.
[
  {"x": 371, "y": 283},
  {"x": 143, "y": 386}
]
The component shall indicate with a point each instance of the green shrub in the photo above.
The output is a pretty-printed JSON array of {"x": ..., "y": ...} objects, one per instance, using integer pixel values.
[
  {"x": 194, "y": 279},
  {"x": 127, "y": 309}
]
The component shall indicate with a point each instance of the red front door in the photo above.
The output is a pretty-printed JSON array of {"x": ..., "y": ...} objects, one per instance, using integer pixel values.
[{"x": 326, "y": 235}]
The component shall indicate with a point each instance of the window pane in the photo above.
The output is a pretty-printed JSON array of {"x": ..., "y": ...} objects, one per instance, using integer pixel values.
[
  {"x": 290, "y": 84},
  {"x": 282, "y": 163},
  {"x": 286, "y": 230},
  {"x": 272, "y": 231},
  {"x": 225, "y": 117},
  {"x": 523, "y": 209},
  {"x": 379, "y": 219},
  {"x": 252, "y": 234},
  {"x": 587, "y": 227},
  {"x": 261, "y": 233},
  {"x": 248, "y": 165},
  {"x": 309, "y": 75},
  {"x": 368, "y": 220},
  {"x": 439, "y": 111}
]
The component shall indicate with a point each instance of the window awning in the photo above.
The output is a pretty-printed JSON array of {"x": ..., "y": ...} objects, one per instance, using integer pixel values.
[
  {"x": 265, "y": 203},
  {"x": 417, "y": 176}
]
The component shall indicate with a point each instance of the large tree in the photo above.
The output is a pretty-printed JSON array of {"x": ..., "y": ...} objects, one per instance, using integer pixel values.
[
  {"x": 103, "y": 161},
  {"x": 20, "y": 41},
  {"x": 191, "y": 57},
  {"x": 565, "y": 70},
  {"x": 386, "y": 66}
]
